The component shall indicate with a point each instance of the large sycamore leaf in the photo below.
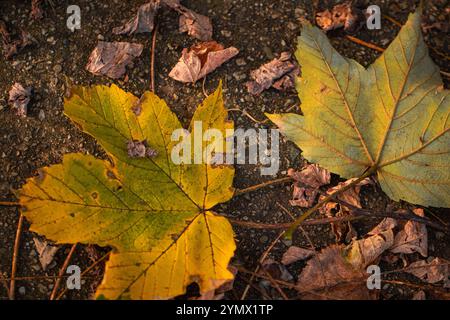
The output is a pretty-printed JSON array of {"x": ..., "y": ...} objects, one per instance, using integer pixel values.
[
  {"x": 392, "y": 116},
  {"x": 155, "y": 214}
]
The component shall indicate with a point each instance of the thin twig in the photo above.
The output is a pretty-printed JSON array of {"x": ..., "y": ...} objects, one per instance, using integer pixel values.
[
  {"x": 286, "y": 225},
  {"x": 261, "y": 260},
  {"x": 61, "y": 271},
  {"x": 275, "y": 284},
  {"x": 238, "y": 192},
  {"x": 419, "y": 286},
  {"x": 83, "y": 274},
  {"x": 392, "y": 20},
  {"x": 152, "y": 61},
  {"x": 364, "y": 43},
  {"x": 9, "y": 204},
  {"x": 248, "y": 115},
  {"x": 12, "y": 286}
]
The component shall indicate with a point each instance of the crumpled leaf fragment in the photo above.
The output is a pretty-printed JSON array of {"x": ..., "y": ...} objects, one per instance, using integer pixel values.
[
  {"x": 201, "y": 59},
  {"x": 343, "y": 231},
  {"x": 195, "y": 24},
  {"x": 144, "y": 21},
  {"x": 294, "y": 254},
  {"x": 366, "y": 251},
  {"x": 329, "y": 276},
  {"x": 341, "y": 15},
  {"x": 46, "y": 252},
  {"x": 19, "y": 98},
  {"x": 390, "y": 117},
  {"x": 111, "y": 58},
  {"x": 279, "y": 73},
  {"x": 12, "y": 47},
  {"x": 432, "y": 272},
  {"x": 413, "y": 237},
  {"x": 140, "y": 149},
  {"x": 155, "y": 214},
  {"x": 275, "y": 270},
  {"x": 307, "y": 183}
]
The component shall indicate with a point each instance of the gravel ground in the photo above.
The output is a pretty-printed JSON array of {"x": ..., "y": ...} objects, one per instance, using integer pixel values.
[{"x": 259, "y": 29}]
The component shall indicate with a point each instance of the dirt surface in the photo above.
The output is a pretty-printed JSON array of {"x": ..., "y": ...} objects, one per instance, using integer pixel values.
[{"x": 260, "y": 30}]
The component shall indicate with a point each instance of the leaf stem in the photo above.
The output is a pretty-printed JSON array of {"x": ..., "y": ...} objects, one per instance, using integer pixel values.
[
  {"x": 238, "y": 192},
  {"x": 325, "y": 200},
  {"x": 12, "y": 285}
]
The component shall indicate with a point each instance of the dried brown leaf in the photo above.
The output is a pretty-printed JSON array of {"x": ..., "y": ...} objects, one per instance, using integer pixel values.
[
  {"x": 366, "y": 251},
  {"x": 46, "y": 252},
  {"x": 432, "y": 272},
  {"x": 328, "y": 275},
  {"x": 273, "y": 72},
  {"x": 413, "y": 237},
  {"x": 307, "y": 183},
  {"x": 294, "y": 254},
  {"x": 201, "y": 59},
  {"x": 111, "y": 58},
  {"x": 342, "y": 15},
  {"x": 144, "y": 21},
  {"x": 19, "y": 97}
]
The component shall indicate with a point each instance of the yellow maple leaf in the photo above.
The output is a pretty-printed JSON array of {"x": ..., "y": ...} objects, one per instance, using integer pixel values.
[{"x": 155, "y": 214}]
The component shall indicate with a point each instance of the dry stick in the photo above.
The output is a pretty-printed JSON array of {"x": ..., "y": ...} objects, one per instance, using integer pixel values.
[
  {"x": 404, "y": 216},
  {"x": 248, "y": 115},
  {"x": 86, "y": 271},
  {"x": 152, "y": 61},
  {"x": 419, "y": 286},
  {"x": 277, "y": 287},
  {"x": 277, "y": 226},
  {"x": 61, "y": 272},
  {"x": 12, "y": 286},
  {"x": 325, "y": 200},
  {"x": 311, "y": 244},
  {"x": 238, "y": 192},
  {"x": 258, "y": 275},
  {"x": 9, "y": 204},
  {"x": 261, "y": 260},
  {"x": 364, "y": 43}
]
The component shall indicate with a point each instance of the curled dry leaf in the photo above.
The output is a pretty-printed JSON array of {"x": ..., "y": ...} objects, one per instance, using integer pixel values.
[
  {"x": 432, "y": 272},
  {"x": 343, "y": 231},
  {"x": 46, "y": 252},
  {"x": 342, "y": 15},
  {"x": 294, "y": 254},
  {"x": 366, "y": 251},
  {"x": 111, "y": 58},
  {"x": 195, "y": 24},
  {"x": 144, "y": 20},
  {"x": 12, "y": 47},
  {"x": 328, "y": 275},
  {"x": 279, "y": 73},
  {"x": 19, "y": 97},
  {"x": 275, "y": 270},
  {"x": 306, "y": 184},
  {"x": 413, "y": 237},
  {"x": 201, "y": 59}
]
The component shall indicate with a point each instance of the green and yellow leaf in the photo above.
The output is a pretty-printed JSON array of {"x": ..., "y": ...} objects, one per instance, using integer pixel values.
[
  {"x": 392, "y": 116},
  {"x": 155, "y": 214}
]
